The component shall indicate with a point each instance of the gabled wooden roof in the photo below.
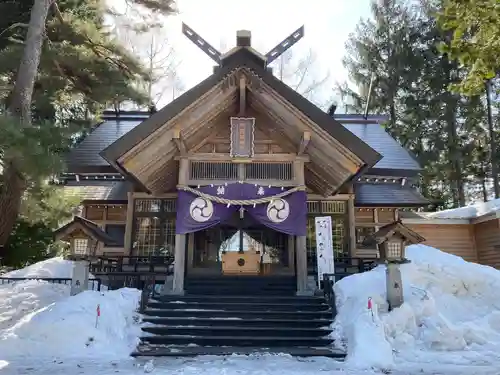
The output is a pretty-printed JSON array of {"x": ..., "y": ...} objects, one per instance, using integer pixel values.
[
  {"x": 243, "y": 58},
  {"x": 389, "y": 230},
  {"x": 89, "y": 228}
]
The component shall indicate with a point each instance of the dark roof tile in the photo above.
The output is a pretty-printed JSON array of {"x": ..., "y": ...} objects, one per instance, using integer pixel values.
[
  {"x": 86, "y": 153},
  {"x": 387, "y": 195},
  {"x": 98, "y": 190},
  {"x": 394, "y": 156}
]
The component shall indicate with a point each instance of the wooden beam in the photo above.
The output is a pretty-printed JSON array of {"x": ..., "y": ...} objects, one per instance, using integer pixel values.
[
  {"x": 304, "y": 142},
  {"x": 243, "y": 95},
  {"x": 193, "y": 114},
  {"x": 179, "y": 142},
  {"x": 291, "y": 114},
  {"x": 319, "y": 152},
  {"x": 152, "y": 159},
  {"x": 283, "y": 157}
]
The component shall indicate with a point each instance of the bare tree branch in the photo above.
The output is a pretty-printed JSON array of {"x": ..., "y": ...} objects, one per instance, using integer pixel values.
[{"x": 301, "y": 74}]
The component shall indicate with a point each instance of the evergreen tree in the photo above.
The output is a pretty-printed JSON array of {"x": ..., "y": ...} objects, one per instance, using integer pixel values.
[
  {"x": 69, "y": 68},
  {"x": 444, "y": 129},
  {"x": 474, "y": 27}
]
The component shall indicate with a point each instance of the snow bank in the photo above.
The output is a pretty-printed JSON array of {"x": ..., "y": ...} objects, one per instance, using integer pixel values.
[
  {"x": 22, "y": 298},
  {"x": 41, "y": 320},
  {"x": 51, "y": 268},
  {"x": 468, "y": 212},
  {"x": 67, "y": 328},
  {"x": 451, "y": 314}
]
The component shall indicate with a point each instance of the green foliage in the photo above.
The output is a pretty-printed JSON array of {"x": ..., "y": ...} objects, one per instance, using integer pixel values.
[
  {"x": 445, "y": 130},
  {"x": 37, "y": 148},
  {"x": 44, "y": 208},
  {"x": 48, "y": 204},
  {"x": 473, "y": 27},
  {"x": 82, "y": 70},
  {"x": 29, "y": 243}
]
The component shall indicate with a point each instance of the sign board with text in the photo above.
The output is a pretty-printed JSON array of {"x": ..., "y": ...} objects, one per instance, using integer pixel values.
[{"x": 324, "y": 246}]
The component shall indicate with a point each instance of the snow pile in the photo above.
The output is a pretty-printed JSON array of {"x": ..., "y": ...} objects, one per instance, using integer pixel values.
[
  {"x": 468, "y": 212},
  {"x": 67, "y": 328},
  {"x": 40, "y": 320},
  {"x": 51, "y": 268},
  {"x": 21, "y": 298},
  {"x": 451, "y": 314}
]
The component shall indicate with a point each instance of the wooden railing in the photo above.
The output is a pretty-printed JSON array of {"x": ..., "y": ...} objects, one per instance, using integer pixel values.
[
  {"x": 94, "y": 284},
  {"x": 132, "y": 264}
]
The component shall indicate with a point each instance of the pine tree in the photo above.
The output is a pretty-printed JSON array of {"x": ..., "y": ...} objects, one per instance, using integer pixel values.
[
  {"x": 70, "y": 67},
  {"x": 412, "y": 85}
]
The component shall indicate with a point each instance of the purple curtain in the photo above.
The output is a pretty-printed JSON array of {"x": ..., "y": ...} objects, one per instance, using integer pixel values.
[{"x": 287, "y": 214}]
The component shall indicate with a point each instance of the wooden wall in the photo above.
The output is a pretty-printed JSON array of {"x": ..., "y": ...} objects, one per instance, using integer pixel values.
[
  {"x": 102, "y": 215},
  {"x": 372, "y": 218},
  {"x": 220, "y": 142},
  {"x": 488, "y": 242},
  {"x": 457, "y": 239}
]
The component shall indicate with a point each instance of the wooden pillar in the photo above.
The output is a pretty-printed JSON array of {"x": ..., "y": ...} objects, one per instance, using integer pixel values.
[
  {"x": 352, "y": 222},
  {"x": 301, "y": 265},
  {"x": 291, "y": 252},
  {"x": 180, "y": 239},
  {"x": 129, "y": 224},
  {"x": 300, "y": 241}
]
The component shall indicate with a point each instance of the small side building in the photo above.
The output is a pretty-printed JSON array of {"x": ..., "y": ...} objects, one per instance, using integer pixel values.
[{"x": 471, "y": 232}]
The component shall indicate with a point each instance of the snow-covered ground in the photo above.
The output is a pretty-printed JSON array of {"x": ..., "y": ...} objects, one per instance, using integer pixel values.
[
  {"x": 451, "y": 314},
  {"x": 449, "y": 324}
]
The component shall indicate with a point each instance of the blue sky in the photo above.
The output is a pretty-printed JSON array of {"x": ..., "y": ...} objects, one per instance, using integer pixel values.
[{"x": 327, "y": 26}]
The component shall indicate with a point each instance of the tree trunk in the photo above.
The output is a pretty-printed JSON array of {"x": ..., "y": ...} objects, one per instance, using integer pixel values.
[
  {"x": 14, "y": 184},
  {"x": 484, "y": 190},
  {"x": 493, "y": 143}
]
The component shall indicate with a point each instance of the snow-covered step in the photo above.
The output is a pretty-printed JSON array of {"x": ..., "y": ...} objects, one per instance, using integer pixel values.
[
  {"x": 194, "y": 312},
  {"x": 208, "y": 330},
  {"x": 237, "y": 340},
  {"x": 193, "y": 350},
  {"x": 238, "y": 322},
  {"x": 239, "y": 306}
]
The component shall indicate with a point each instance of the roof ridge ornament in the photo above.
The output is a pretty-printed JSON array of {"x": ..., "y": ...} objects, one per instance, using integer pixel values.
[
  {"x": 288, "y": 42},
  {"x": 201, "y": 43},
  {"x": 243, "y": 39}
]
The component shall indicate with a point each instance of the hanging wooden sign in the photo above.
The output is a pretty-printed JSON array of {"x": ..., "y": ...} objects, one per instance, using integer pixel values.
[{"x": 242, "y": 136}]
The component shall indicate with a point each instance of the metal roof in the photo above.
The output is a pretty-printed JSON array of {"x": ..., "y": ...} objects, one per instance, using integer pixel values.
[
  {"x": 395, "y": 158},
  {"x": 98, "y": 190},
  {"x": 249, "y": 60},
  {"x": 85, "y": 157},
  {"x": 387, "y": 195}
]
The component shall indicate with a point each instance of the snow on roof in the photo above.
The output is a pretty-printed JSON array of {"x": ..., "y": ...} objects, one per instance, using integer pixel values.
[{"x": 467, "y": 212}]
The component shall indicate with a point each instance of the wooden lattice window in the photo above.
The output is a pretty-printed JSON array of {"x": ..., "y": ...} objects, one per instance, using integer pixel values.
[
  {"x": 201, "y": 170},
  {"x": 147, "y": 205},
  {"x": 394, "y": 249},
  {"x": 326, "y": 207},
  {"x": 169, "y": 237},
  {"x": 269, "y": 171},
  {"x": 147, "y": 235},
  {"x": 80, "y": 246},
  {"x": 154, "y": 227}
]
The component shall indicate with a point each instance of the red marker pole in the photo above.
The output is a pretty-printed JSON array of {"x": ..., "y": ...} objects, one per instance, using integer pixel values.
[
  {"x": 370, "y": 307},
  {"x": 98, "y": 314}
]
